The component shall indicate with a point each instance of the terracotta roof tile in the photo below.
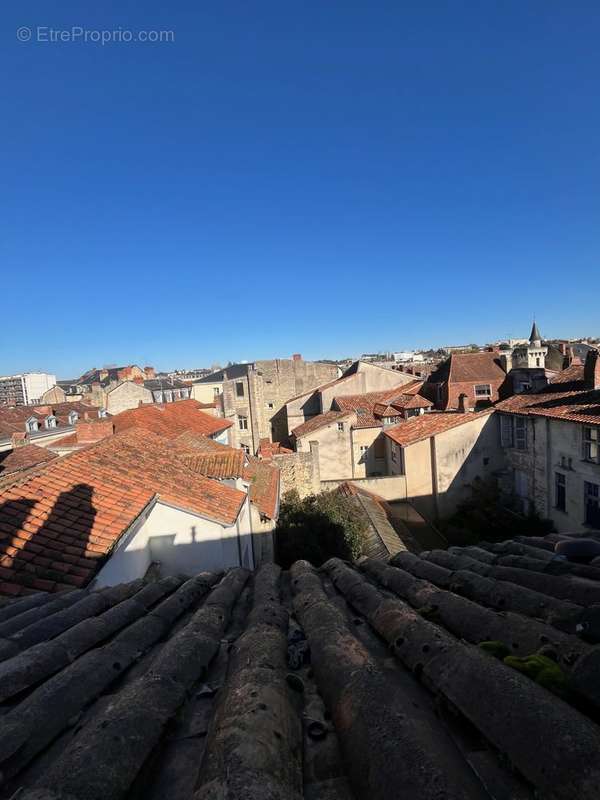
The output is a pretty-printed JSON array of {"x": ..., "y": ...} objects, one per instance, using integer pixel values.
[
  {"x": 23, "y": 458},
  {"x": 319, "y": 421},
  {"x": 93, "y": 495},
  {"x": 415, "y": 429},
  {"x": 264, "y": 486},
  {"x": 171, "y": 419}
]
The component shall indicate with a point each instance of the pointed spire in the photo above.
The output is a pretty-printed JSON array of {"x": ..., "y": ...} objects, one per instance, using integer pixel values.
[{"x": 535, "y": 335}]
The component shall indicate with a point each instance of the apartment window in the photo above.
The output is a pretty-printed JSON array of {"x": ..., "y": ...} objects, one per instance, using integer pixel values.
[
  {"x": 591, "y": 444},
  {"x": 239, "y": 389},
  {"x": 340, "y": 426},
  {"x": 591, "y": 503},
  {"x": 246, "y": 449},
  {"x": 270, "y": 405},
  {"x": 483, "y": 390},
  {"x": 73, "y": 417},
  {"x": 158, "y": 397},
  {"x": 364, "y": 450},
  {"x": 243, "y": 423},
  {"x": 51, "y": 422},
  {"x": 32, "y": 425},
  {"x": 520, "y": 433},
  {"x": 506, "y": 431},
  {"x": 560, "y": 491},
  {"x": 216, "y": 391}
]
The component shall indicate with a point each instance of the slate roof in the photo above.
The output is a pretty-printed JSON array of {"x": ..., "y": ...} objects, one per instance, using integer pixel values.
[
  {"x": 348, "y": 683},
  {"x": 415, "y": 429},
  {"x": 62, "y": 519},
  {"x": 13, "y": 418},
  {"x": 155, "y": 384},
  {"x": 171, "y": 419},
  {"x": 319, "y": 421},
  {"x": 227, "y": 373},
  {"x": 566, "y": 397}
]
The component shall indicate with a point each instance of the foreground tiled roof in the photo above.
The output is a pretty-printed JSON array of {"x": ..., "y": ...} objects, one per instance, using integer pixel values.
[
  {"x": 319, "y": 421},
  {"x": 61, "y": 519},
  {"x": 22, "y": 458},
  {"x": 566, "y": 397},
  {"x": 171, "y": 419},
  {"x": 417, "y": 428},
  {"x": 346, "y": 683}
]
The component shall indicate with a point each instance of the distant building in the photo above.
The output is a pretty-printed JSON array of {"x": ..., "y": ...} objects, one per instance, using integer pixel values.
[
  {"x": 167, "y": 390},
  {"x": 42, "y": 424},
  {"x": 253, "y": 395},
  {"x": 26, "y": 388},
  {"x": 479, "y": 376}
]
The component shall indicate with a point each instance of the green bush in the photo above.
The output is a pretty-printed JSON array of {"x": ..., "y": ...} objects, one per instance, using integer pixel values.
[{"x": 318, "y": 527}]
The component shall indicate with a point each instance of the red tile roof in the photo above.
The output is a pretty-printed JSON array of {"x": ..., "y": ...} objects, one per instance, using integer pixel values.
[
  {"x": 415, "y": 429},
  {"x": 22, "y": 458},
  {"x": 465, "y": 367},
  {"x": 566, "y": 397},
  {"x": 61, "y": 518},
  {"x": 220, "y": 465},
  {"x": 264, "y": 486},
  {"x": 268, "y": 449},
  {"x": 171, "y": 419},
  {"x": 319, "y": 421}
]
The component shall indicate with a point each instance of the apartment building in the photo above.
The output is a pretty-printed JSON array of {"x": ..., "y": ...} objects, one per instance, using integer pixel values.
[
  {"x": 551, "y": 441},
  {"x": 252, "y": 395},
  {"x": 26, "y": 388}
]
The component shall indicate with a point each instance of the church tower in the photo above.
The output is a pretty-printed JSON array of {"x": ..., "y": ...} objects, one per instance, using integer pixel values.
[{"x": 536, "y": 352}]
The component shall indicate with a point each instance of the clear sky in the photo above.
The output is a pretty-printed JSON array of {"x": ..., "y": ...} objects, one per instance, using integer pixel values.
[{"x": 320, "y": 177}]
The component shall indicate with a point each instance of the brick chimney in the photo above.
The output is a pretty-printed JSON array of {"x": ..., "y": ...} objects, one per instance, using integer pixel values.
[
  {"x": 463, "y": 401},
  {"x": 19, "y": 439},
  {"x": 591, "y": 370}
]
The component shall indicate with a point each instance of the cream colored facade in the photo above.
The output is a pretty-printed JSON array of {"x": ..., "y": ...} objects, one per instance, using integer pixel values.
[
  {"x": 440, "y": 469},
  {"x": 554, "y": 447},
  {"x": 126, "y": 395}
]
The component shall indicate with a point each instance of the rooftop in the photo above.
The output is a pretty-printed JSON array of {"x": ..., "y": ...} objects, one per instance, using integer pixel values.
[
  {"x": 469, "y": 367},
  {"x": 566, "y": 397},
  {"x": 13, "y": 418},
  {"x": 171, "y": 419},
  {"x": 60, "y": 520},
  {"x": 435, "y": 422},
  {"x": 319, "y": 421},
  {"x": 347, "y": 682},
  {"x": 22, "y": 458}
]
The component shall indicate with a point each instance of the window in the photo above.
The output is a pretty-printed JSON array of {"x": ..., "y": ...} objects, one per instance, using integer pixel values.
[
  {"x": 591, "y": 444},
  {"x": 51, "y": 422},
  {"x": 591, "y": 502},
  {"x": 560, "y": 491},
  {"x": 483, "y": 390},
  {"x": 520, "y": 433},
  {"x": 239, "y": 389},
  {"x": 340, "y": 426},
  {"x": 506, "y": 431},
  {"x": 32, "y": 425},
  {"x": 246, "y": 449},
  {"x": 73, "y": 417},
  {"x": 364, "y": 453},
  {"x": 216, "y": 391},
  {"x": 158, "y": 397},
  {"x": 269, "y": 405},
  {"x": 243, "y": 423},
  {"x": 102, "y": 413}
]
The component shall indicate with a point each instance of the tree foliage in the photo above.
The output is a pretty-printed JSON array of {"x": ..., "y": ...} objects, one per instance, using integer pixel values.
[{"x": 318, "y": 527}]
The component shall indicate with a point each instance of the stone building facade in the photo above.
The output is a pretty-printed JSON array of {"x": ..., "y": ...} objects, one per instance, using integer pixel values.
[{"x": 252, "y": 395}]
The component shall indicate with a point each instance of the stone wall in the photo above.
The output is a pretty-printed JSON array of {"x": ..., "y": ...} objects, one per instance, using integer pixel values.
[
  {"x": 126, "y": 395},
  {"x": 299, "y": 471}
]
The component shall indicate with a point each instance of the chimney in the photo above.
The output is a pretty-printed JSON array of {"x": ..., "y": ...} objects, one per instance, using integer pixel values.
[
  {"x": 463, "y": 403},
  {"x": 591, "y": 370},
  {"x": 19, "y": 440},
  {"x": 562, "y": 346},
  {"x": 297, "y": 357}
]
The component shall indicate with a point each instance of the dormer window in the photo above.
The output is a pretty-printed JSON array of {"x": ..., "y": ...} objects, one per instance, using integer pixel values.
[
  {"x": 73, "y": 417},
  {"x": 158, "y": 397},
  {"x": 32, "y": 425},
  {"x": 50, "y": 421},
  {"x": 102, "y": 413}
]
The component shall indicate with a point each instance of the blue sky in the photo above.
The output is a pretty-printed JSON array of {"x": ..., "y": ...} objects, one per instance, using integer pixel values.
[{"x": 325, "y": 178}]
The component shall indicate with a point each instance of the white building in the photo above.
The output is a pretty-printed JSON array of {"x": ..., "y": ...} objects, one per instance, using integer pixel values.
[{"x": 26, "y": 388}]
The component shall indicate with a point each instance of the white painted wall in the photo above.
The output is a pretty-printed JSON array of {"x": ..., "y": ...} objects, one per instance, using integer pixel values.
[{"x": 183, "y": 543}]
